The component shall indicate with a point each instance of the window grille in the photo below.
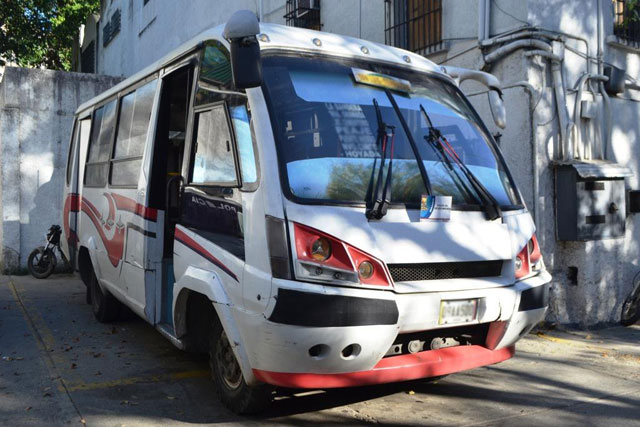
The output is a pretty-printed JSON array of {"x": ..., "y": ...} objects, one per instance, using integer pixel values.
[
  {"x": 111, "y": 28},
  {"x": 626, "y": 22},
  {"x": 303, "y": 14},
  {"x": 415, "y": 25}
]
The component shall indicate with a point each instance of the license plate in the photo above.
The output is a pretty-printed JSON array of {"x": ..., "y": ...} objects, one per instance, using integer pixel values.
[{"x": 458, "y": 311}]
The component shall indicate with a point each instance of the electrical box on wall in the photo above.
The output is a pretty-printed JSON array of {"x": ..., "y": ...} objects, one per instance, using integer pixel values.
[{"x": 590, "y": 200}]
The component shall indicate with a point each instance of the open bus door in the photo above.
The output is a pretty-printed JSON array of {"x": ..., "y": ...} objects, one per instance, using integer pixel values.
[{"x": 71, "y": 203}]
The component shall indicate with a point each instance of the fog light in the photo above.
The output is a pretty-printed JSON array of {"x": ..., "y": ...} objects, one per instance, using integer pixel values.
[
  {"x": 321, "y": 249},
  {"x": 365, "y": 269}
]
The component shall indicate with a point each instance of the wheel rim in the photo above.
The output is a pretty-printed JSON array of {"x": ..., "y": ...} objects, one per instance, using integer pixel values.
[
  {"x": 227, "y": 365},
  {"x": 39, "y": 262}
]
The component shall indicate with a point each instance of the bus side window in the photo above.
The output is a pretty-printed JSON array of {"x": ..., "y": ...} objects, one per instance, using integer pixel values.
[
  {"x": 133, "y": 123},
  {"x": 214, "y": 158},
  {"x": 102, "y": 131},
  {"x": 246, "y": 151}
]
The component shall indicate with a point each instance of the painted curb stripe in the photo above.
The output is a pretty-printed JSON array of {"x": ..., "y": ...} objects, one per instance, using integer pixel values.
[{"x": 181, "y": 237}]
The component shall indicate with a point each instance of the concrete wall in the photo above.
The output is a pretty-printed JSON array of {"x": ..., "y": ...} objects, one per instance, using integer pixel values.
[
  {"x": 36, "y": 117},
  {"x": 605, "y": 267}
]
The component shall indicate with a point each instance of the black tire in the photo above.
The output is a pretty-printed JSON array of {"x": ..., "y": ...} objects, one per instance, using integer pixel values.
[
  {"x": 105, "y": 307},
  {"x": 227, "y": 377},
  {"x": 631, "y": 305},
  {"x": 41, "y": 263}
]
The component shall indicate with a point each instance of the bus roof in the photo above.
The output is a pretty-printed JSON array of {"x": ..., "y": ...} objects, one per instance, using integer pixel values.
[{"x": 282, "y": 37}]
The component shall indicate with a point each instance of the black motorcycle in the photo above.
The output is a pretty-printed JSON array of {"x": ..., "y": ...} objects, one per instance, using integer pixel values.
[
  {"x": 42, "y": 260},
  {"x": 631, "y": 305}
]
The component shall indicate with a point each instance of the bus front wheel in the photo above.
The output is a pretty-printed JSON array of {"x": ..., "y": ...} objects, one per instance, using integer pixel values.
[{"x": 232, "y": 389}]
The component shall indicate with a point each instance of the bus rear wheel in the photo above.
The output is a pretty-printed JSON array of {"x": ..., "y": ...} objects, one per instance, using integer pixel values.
[
  {"x": 227, "y": 377},
  {"x": 105, "y": 307}
]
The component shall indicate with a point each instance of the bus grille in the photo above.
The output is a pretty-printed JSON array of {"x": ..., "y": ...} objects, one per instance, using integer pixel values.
[{"x": 444, "y": 270}]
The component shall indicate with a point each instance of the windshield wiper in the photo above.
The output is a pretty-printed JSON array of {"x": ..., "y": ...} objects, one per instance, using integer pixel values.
[
  {"x": 439, "y": 142},
  {"x": 376, "y": 197}
]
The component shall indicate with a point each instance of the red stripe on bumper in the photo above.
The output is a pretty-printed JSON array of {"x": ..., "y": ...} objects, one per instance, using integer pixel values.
[{"x": 407, "y": 367}]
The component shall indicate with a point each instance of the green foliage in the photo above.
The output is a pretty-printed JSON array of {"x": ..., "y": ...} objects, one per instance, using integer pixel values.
[{"x": 40, "y": 33}]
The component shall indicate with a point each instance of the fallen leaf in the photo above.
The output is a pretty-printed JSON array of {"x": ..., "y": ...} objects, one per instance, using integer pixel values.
[
  {"x": 28, "y": 408},
  {"x": 170, "y": 397}
]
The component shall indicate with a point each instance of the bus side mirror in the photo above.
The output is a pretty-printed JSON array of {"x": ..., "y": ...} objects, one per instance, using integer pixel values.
[
  {"x": 498, "y": 111},
  {"x": 246, "y": 66}
]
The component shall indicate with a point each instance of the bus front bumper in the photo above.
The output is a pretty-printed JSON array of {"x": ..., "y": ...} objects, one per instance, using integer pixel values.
[
  {"x": 313, "y": 355},
  {"x": 432, "y": 363}
]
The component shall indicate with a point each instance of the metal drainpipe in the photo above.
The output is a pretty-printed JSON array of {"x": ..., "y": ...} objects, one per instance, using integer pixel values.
[
  {"x": 487, "y": 19},
  {"x": 481, "y": 20},
  {"x": 606, "y": 128},
  {"x": 566, "y": 146},
  {"x": 577, "y": 108}
]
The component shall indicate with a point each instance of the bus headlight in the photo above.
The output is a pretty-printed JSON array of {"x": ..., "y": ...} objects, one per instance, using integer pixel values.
[{"x": 321, "y": 249}]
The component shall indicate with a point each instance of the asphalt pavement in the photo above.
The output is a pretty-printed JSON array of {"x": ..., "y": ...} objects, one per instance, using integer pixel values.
[{"x": 59, "y": 366}]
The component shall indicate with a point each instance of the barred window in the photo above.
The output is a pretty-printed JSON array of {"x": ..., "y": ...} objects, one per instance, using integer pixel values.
[
  {"x": 626, "y": 22},
  {"x": 415, "y": 25},
  {"x": 303, "y": 14}
]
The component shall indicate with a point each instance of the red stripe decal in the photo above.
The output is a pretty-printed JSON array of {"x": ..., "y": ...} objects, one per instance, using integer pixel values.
[
  {"x": 71, "y": 204},
  {"x": 115, "y": 245},
  {"x": 130, "y": 205},
  {"x": 196, "y": 247},
  {"x": 407, "y": 367}
]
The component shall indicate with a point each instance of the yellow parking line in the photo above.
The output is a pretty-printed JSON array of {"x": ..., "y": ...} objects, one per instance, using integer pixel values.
[
  {"x": 556, "y": 339},
  {"x": 83, "y": 386}
]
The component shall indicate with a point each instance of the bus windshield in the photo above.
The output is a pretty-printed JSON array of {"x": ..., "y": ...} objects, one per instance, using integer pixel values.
[{"x": 326, "y": 128}]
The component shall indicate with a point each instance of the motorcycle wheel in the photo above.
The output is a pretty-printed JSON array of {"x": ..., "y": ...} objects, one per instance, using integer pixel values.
[
  {"x": 631, "y": 306},
  {"x": 41, "y": 263}
]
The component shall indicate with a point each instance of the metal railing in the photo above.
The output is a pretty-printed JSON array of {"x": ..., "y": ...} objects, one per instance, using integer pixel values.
[
  {"x": 303, "y": 14},
  {"x": 626, "y": 19},
  {"x": 415, "y": 25}
]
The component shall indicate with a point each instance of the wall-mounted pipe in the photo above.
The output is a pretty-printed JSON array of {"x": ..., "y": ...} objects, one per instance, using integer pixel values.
[
  {"x": 581, "y": 146},
  {"x": 564, "y": 124},
  {"x": 487, "y": 19},
  {"x": 605, "y": 139},
  {"x": 481, "y": 19},
  {"x": 513, "y": 46}
]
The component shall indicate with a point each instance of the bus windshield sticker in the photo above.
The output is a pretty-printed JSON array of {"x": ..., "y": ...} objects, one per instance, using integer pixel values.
[
  {"x": 381, "y": 80},
  {"x": 435, "y": 208}
]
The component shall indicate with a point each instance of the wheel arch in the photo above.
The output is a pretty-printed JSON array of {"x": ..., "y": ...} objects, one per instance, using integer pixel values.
[{"x": 201, "y": 290}]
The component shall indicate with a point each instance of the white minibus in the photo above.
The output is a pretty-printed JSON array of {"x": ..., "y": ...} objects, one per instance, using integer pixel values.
[{"x": 311, "y": 210}]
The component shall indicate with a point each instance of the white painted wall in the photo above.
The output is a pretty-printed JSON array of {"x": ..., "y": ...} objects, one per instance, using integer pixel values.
[{"x": 36, "y": 117}]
